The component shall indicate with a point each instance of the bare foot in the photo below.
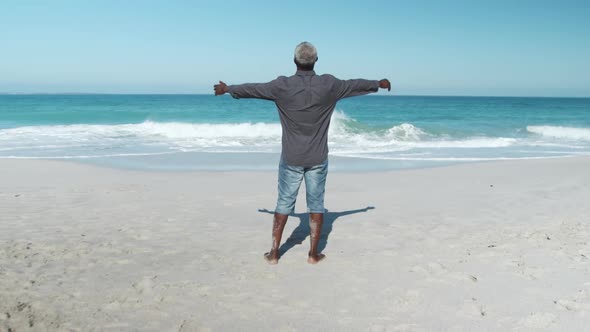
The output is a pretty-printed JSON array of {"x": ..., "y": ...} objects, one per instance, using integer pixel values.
[
  {"x": 314, "y": 259},
  {"x": 272, "y": 257}
]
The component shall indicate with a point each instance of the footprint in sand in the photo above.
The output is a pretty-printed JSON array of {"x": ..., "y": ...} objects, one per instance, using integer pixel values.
[
  {"x": 472, "y": 308},
  {"x": 409, "y": 301},
  {"x": 430, "y": 269},
  {"x": 579, "y": 302},
  {"x": 191, "y": 325},
  {"x": 537, "y": 320},
  {"x": 145, "y": 286}
]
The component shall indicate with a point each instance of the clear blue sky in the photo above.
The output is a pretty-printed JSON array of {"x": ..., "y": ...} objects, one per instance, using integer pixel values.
[{"x": 530, "y": 48}]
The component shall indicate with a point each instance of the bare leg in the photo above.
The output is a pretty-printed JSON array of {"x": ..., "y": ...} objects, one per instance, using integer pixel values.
[
  {"x": 315, "y": 224},
  {"x": 278, "y": 225}
]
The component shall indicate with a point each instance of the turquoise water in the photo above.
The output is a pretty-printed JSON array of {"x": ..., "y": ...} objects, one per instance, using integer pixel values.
[{"x": 185, "y": 132}]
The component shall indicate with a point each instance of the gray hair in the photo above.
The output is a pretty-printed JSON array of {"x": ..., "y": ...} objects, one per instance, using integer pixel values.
[{"x": 306, "y": 54}]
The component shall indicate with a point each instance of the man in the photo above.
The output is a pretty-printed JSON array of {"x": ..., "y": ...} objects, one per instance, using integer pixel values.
[{"x": 305, "y": 102}]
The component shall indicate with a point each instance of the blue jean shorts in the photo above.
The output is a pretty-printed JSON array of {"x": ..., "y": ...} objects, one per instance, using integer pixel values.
[{"x": 290, "y": 178}]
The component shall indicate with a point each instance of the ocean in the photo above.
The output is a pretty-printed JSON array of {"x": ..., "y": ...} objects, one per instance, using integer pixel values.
[{"x": 369, "y": 133}]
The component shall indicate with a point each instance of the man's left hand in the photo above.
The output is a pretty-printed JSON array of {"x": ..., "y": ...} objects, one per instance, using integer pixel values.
[{"x": 220, "y": 88}]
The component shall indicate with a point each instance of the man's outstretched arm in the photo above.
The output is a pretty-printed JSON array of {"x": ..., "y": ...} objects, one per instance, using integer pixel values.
[
  {"x": 248, "y": 90},
  {"x": 351, "y": 88}
]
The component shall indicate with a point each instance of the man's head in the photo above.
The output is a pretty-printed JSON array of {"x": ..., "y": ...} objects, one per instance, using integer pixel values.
[{"x": 305, "y": 56}]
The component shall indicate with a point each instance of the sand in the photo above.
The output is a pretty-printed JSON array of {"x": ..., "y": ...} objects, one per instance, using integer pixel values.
[{"x": 500, "y": 246}]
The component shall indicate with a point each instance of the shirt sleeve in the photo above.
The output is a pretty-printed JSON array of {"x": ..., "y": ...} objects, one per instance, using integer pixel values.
[
  {"x": 253, "y": 90},
  {"x": 358, "y": 87}
]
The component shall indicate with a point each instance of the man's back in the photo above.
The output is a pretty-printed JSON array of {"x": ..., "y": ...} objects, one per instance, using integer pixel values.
[{"x": 305, "y": 102}]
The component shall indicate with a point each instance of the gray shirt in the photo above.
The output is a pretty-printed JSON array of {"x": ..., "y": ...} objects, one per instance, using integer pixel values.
[{"x": 305, "y": 102}]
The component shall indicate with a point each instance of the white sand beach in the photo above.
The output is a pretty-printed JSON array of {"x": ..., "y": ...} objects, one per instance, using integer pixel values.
[{"x": 502, "y": 246}]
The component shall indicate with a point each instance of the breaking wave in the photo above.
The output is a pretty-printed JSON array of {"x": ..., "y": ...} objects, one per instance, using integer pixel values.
[
  {"x": 570, "y": 133},
  {"x": 348, "y": 137}
]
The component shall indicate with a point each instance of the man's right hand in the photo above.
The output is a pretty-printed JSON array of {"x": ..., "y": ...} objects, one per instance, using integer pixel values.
[
  {"x": 384, "y": 84},
  {"x": 220, "y": 88}
]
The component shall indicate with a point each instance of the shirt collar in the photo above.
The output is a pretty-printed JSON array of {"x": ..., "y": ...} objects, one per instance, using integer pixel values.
[{"x": 305, "y": 72}]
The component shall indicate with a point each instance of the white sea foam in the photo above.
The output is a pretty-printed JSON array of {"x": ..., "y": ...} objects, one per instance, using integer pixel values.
[
  {"x": 149, "y": 128},
  {"x": 90, "y": 156},
  {"x": 192, "y": 136},
  {"x": 561, "y": 132},
  {"x": 347, "y": 137},
  {"x": 447, "y": 159},
  {"x": 344, "y": 137},
  {"x": 400, "y": 138},
  {"x": 179, "y": 134},
  {"x": 406, "y": 132},
  {"x": 207, "y": 130},
  {"x": 472, "y": 143}
]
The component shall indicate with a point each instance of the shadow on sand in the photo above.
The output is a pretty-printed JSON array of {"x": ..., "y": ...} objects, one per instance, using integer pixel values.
[{"x": 301, "y": 232}]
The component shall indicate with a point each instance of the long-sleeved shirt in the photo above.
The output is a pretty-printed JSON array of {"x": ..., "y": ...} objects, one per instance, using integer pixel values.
[{"x": 305, "y": 102}]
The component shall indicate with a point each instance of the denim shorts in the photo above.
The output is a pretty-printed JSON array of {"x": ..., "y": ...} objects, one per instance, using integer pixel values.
[{"x": 290, "y": 178}]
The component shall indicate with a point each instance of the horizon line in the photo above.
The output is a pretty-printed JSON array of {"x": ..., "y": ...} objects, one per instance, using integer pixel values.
[{"x": 210, "y": 94}]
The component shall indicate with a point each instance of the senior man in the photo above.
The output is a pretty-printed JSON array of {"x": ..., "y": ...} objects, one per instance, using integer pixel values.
[{"x": 305, "y": 102}]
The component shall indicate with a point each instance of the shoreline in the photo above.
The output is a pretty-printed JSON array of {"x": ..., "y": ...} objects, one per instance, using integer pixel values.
[
  {"x": 484, "y": 246},
  {"x": 257, "y": 162}
]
